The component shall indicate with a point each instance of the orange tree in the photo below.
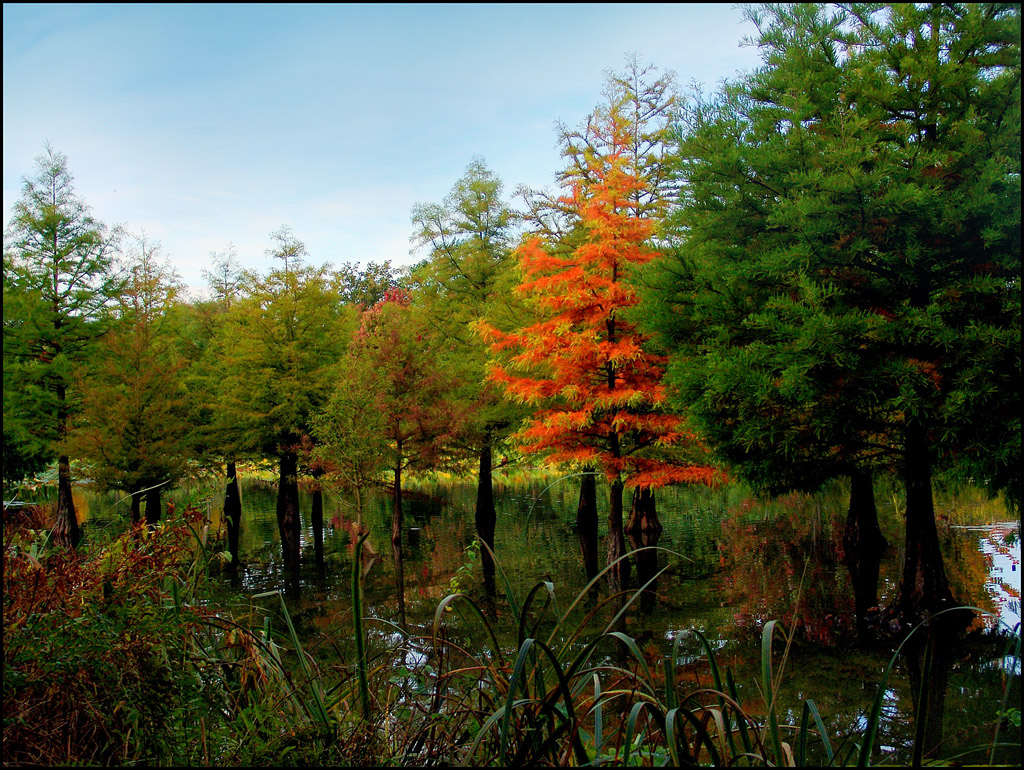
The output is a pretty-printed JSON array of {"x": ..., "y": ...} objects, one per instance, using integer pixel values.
[{"x": 597, "y": 392}]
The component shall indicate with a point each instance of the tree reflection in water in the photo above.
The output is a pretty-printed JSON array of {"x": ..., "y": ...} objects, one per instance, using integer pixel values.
[{"x": 744, "y": 562}]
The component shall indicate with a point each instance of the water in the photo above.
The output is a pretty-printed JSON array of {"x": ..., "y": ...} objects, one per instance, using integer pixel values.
[{"x": 733, "y": 563}]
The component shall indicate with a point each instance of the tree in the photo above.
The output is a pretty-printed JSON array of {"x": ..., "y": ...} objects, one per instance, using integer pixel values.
[
  {"x": 59, "y": 260},
  {"x": 133, "y": 432},
  {"x": 366, "y": 287},
  {"x": 280, "y": 343},
  {"x": 646, "y": 105},
  {"x": 468, "y": 276},
  {"x": 391, "y": 396},
  {"x": 225, "y": 278},
  {"x": 352, "y": 444},
  {"x": 598, "y": 390},
  {"x": 848, "y": 289},
  {"x": 24, "y": 453}
]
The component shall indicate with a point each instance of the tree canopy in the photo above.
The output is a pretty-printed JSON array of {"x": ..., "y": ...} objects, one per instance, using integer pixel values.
[
  {"x": 57, "y": 266},
  {"x": 847, "y": 290}
]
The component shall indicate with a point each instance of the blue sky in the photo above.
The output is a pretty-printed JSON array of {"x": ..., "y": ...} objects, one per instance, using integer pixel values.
[{"x": 213, "y": 124}]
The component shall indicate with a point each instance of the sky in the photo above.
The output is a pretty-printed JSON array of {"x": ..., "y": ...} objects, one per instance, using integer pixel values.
[{"x": 210, "y": 125}]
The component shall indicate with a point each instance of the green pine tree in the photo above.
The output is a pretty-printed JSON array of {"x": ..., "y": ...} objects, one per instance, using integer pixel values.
[
  {"x": 57, "y": 260},
  {"x": 846, "y": 294}
]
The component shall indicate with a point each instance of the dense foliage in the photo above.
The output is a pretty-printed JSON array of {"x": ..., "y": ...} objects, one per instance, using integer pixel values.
[
  {"x": 845, "y": 295},
  {"x": 812, "y": 273}
]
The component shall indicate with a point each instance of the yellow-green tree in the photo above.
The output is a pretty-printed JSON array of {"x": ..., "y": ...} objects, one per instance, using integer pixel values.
[
  {"x": 469, "y": 275},
  {"x": 133, "y": 432},
  {"x": 277, "y": 348}
]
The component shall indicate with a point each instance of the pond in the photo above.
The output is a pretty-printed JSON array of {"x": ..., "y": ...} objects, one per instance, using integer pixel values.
[{"x": 731, "y": 564}]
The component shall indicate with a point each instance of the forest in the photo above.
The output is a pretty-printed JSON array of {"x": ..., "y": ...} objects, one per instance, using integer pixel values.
[{"x": 808, "y": 277}]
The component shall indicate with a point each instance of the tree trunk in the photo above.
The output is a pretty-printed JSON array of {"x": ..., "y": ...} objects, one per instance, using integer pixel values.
[
  {"x": 288, "y": 521},
  {"x": 317, "y": 519},
  {"x": 586, "y": 523},
  {"x": 930, "y": 657},
  {"x": 619, "y": 574},
  {"x": 863, "y": 546},
  {"x": 152, "y": 506},
  {"x": 65, "y": 529},
  {"x": 486, "y": 516},
  {"x": 233, "y": 512},
  {"x": 862, "y": 530},
  {"x": 136, "y": 510},
  {"x": 396, "y": 539},
  {"x": 643, "y": 515},
  {"x": 924, "y": 589},
  {"x": 644, "y": 531}
]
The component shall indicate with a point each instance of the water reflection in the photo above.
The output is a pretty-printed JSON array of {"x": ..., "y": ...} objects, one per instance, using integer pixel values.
[
  {"x": 1000, "y": 547},
  {"x": 731, "y": 563}
]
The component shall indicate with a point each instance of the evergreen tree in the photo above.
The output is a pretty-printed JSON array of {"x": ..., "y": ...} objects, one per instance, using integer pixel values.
[
  {"x": 467, "y": 276},
  {"x": 133, "y": 433},
  {"x": 279, "y": 344},
  {"x": 57, "y": 259},
  {"x": 214, "y": 434},
  {"x": 367, "y": 286},
  {"x": 847, "y": 293},
  {"x": 24, "y": 453}
]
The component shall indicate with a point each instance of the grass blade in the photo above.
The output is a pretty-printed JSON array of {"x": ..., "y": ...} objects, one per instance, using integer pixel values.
[
  {"x": 769, "y": 689},
  {"x": 357, "y": 628}
]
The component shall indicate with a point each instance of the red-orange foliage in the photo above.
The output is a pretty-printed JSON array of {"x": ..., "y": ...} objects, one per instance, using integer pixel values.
[{"x": 600, "y": 397}]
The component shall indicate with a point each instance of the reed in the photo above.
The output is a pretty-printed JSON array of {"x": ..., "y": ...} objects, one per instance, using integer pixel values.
[{"x": 571, "y": 687}]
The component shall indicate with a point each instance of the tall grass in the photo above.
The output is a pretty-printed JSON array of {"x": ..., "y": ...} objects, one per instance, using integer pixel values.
[{"x": 119, "y": 656}]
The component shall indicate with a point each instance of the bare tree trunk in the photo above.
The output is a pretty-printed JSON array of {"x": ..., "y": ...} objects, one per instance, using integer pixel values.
[
  {"x": 486, "y": 516},
  {"x": 862, "y": 530},
  {"x": 233, "y": 511},
  {"x": 153, "y": 506},
  {"x": 288, "y": 520},
  {"x": 644, "y": 530},
  {"x": 863, "y": 546},
  {"x": 616, "y": 540},
  {"x": 586, "y": 524},
  {"x": 66, "y": 528},
  {"x": 924, "y": 589},
  {"x": 136, "y": 509},
  {"x": 643, "y": 515},
  {"x": 930, "y": 657}
]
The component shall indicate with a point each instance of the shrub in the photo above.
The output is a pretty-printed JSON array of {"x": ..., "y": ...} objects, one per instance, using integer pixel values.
[{"x": 95, "y": 647}]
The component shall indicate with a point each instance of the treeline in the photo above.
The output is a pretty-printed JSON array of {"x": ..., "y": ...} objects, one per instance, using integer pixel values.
[{"x": 812, "y": 273}]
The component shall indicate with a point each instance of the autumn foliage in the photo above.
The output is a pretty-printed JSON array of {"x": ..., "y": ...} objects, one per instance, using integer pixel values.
[
  {"x": 599, "y": 392},
  {"x": 95, "y": 649}
]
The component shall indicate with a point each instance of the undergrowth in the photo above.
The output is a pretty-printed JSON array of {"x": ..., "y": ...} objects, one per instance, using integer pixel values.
[{"x": 114, "y": 655}]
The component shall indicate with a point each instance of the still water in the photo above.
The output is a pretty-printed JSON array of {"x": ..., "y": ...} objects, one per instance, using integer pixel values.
[{"x": 731, "y": 562}]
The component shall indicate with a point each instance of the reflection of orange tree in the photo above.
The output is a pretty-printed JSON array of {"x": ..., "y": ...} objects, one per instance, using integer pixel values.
[{"x": 770, "y": 577}]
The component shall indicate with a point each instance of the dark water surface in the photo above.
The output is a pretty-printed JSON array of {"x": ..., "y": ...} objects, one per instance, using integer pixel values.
[{"x": 733, "y": 563}]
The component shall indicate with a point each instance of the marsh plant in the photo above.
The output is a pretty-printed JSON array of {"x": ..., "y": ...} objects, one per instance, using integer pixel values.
[{"x": 115, "y": 654}]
